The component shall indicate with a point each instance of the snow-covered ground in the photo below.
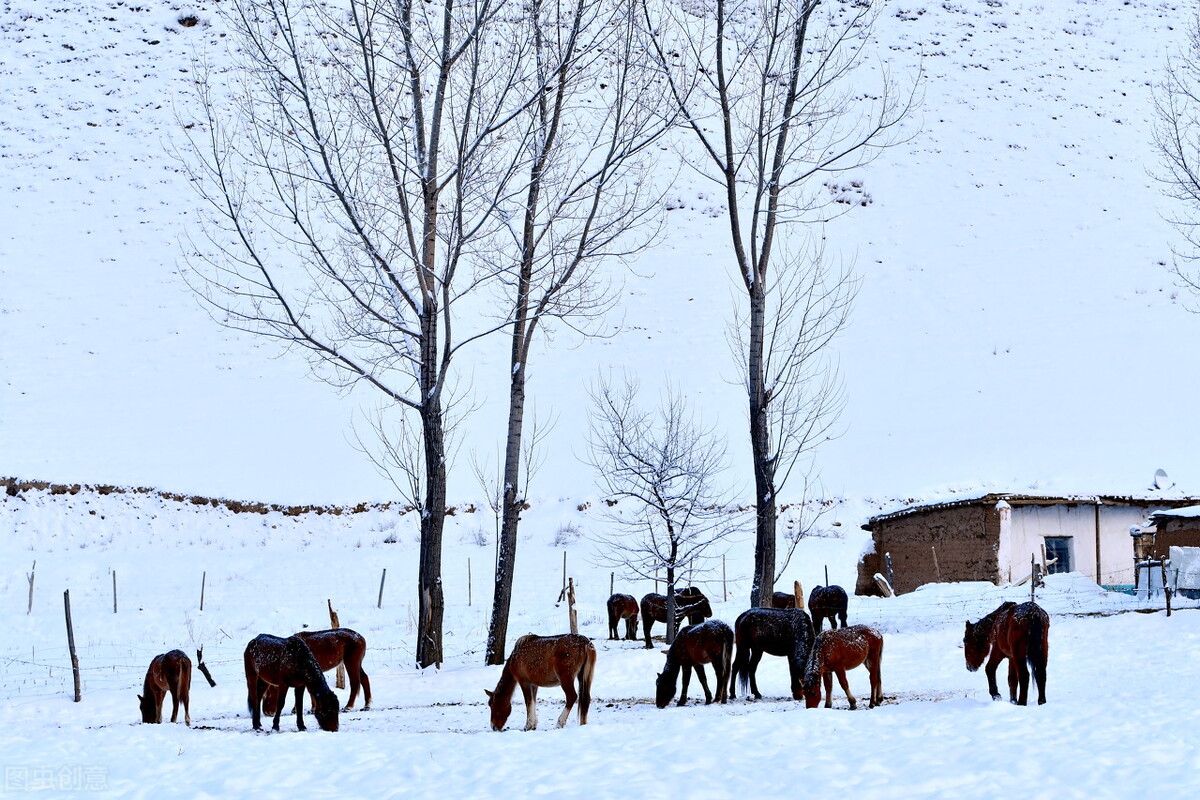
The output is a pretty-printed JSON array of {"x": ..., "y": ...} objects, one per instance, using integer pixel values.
[{"x": 1120, "y": 717}]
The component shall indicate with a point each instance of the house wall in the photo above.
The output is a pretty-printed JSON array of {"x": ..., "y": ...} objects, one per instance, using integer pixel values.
[
  {"x": 1176, "y": 533},
  {"x": 965, "y": 540},
  {"x": 1031, "y": 524}
]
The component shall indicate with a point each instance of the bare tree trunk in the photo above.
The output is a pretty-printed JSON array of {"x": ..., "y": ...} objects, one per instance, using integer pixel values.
[
  {"x": 764, "y": 462},
  {"x": 431, "y": 603},
  {"x": 511, "y": 506}
]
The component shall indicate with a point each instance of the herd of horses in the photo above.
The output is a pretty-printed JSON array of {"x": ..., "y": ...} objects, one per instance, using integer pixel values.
[{"x": 273, "y": 664}]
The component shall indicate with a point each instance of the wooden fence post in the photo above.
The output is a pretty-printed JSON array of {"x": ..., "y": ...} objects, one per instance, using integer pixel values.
[
  {"x": 30, "y": 576},
  {"x": 724, "y": 581},
  {"x": 71, "y": 645},
  {"x": 469, "y": 582},
  {"x": 335, "y": 623},
  {"x": 572, "y": 614},
  {"x": 203, "y": 581},
  {"x": 114, "y": 591},
  {"x": 382, "y": 578}
]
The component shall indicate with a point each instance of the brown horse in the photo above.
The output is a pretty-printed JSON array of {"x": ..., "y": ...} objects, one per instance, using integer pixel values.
[
  {"x": 836, "y": 651},
  {"x": 623, "y": 607},
  {"x": 709, "y": 642},
  {"x": 1020, "y": 633},
  {"x": 330, "y": 648},
  {"x": 545, "y": 661},
  {"x": 171, "y": 672},
  {"x": 778, "y": 632},
  {"x": 783, "y": 600},
  {"x": 284, "y": 663},
  {"x": 828, "y": 601},
  {"x": 690, "y": 602}
]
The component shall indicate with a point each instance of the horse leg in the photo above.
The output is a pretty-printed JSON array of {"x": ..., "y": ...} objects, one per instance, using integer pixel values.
[
  {"x": 299, "y": 708},
  {"x": 708, "y": 698},
  {"x": 631, "y": 629},
  {"x": 278, "y": 707},
  {"x": 1039, "y": 676},
  {"x": 366, "y": 685},
  {"x": 568, "y": 687},
  {"x": 683, "y": 684},
  {"x": 876, "y": 680},
  {"x": 842, "y": 617},
  {"x": 827, "y": 680},
  {"x": 990, "y": 671},
  {"x": 845, "y": 682},
  {"x": 174, "y": 702},
  {"x": 755, "y": 657},
  {"x": 1022, "y": 669},
  {"x": 530, "y": 693}
]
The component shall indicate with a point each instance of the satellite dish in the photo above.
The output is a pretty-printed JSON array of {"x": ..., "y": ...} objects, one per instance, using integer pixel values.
[{"x": 1161, "y": 481}]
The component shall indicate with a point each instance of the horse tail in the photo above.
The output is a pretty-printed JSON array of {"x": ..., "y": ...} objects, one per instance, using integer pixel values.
[
  {"x": 1036, "y": 653},
  {"x": 586, "y": 671},
  {"x": 724, "y": 679},
  {"x": 740, "y": 671},
  {"x": 612, "y": 617}
]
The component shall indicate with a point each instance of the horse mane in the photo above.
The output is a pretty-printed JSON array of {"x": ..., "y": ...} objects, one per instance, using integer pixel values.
[
  {"x": 508, "y": 681},
  {"x": 314, "y": 678}
]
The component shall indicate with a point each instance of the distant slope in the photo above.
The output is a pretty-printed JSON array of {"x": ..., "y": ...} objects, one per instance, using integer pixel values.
[{"x": 1016, "y": 326}]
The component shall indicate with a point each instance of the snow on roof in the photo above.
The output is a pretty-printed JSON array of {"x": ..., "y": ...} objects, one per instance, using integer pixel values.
[{"x": 1027, "y": 499}]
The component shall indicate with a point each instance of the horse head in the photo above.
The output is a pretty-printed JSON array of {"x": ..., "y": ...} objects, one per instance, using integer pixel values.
[
  {"x": 500, "y": 709},
  {"x": 325, "y": 709},
  {"x": 976, "y": 644},
  {"x": 148, "y": 709}
]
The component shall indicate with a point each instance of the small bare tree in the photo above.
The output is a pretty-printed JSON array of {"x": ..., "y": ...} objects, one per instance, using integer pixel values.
[
  {"x": 1177, "y": 138},
  {"x": 662, "y": 469},
  {"x": 767, "y": 89}
]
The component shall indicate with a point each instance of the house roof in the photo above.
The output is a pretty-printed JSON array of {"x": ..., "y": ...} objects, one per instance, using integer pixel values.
[
  {"x": 1020, "y": 499},
  {"x": 1185, "y": 512}
]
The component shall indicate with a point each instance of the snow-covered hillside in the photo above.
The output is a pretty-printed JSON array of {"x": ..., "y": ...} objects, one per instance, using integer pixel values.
[{"x": 1016, "y": 326}]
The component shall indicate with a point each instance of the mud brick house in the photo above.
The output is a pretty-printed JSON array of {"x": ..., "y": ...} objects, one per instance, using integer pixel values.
[
  {"x": 1179, "y": 527},
  {"x": 992, "y": 536}
]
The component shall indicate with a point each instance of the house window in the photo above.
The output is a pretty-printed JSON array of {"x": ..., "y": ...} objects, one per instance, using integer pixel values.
[{"x": 1058, "y": 551}]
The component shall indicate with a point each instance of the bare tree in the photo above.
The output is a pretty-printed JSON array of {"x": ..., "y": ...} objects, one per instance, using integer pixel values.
[
  {"x": 352, "y": 163},
  {"x": 585, "y": 200},
  {"x": 1177, "y": 138},
  {"x": 662, "y": 468},
  {"x": 767, "y": 89}
]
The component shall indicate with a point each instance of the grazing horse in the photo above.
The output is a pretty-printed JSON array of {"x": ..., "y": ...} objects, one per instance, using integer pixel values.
[
  {"x": 783, "y": 600},
  {"x": 778, "y": 632},
  {"x": 1019, "y": 633},
  {"x": 171, "y": 672},
  {"x": 828, "y": 601},
  {"x": 545, "y": 661},
  {"x": 690, "y": 602},
  {"x": 623, "y": 607},
  {"x": 284, "y": 663},
  {"x": 794, "y": 599},
  {"x": 709, "y": 642},
  {"x": 330, "y": 648},
  {"x": 836, "y": 651}
]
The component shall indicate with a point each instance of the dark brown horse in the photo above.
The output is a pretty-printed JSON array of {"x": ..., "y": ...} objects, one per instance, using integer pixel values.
[
  {"x": 777, "y": 632},
  {"x": 1020, "y": 633},
  {"x": 709, "y": 642},
  {"x": 836, "y": 651},
  {"x": 330, "y": 648},
  {"x": 169, "y": 672},
  {"x": 545, "y": 661},
  {"x": 288, "y": 663},
  {"x": 828, "y": 602},
  {"x": 690, "y": 602},
  {"x": 623, "y": 607},
  {"x": 795, "y": 599}
]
